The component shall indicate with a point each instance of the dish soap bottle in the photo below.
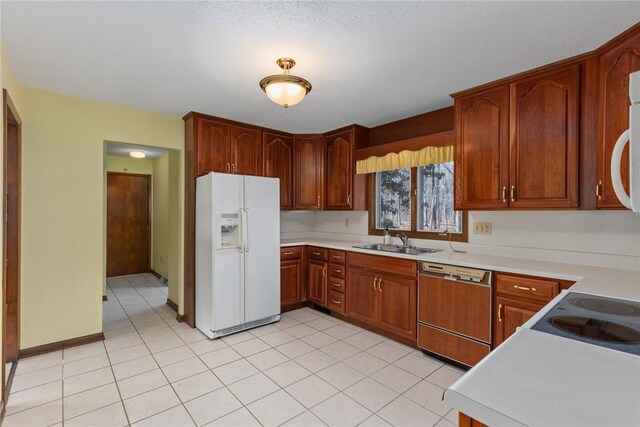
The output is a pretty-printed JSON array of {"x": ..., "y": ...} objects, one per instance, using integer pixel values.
[{"x": 386, "y": 239}]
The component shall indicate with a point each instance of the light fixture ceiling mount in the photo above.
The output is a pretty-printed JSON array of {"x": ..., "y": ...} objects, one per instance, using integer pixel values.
[
  {"x": 285, "y": 89},
  {"x": 136, "y": 154}
]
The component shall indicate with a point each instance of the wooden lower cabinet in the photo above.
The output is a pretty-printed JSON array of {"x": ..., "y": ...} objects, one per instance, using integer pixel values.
[
  {"x": 382, "y": 300},
  {"x": 512, "y": 313},
  {"x": 466, "y": 421},
  {"x": 398, "y": 305},
  {"x": 362, "y": 296},
  {"x": 318, "y": 282},
  {"x": 292, "y": 289}
]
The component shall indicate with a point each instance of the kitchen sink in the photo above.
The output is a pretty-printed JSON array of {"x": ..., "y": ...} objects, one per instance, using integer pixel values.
[{"x": 410, "y": 250}]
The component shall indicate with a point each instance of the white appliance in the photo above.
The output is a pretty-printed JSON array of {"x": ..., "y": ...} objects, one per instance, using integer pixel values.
[
  {"x": 237, "y": 253},
  {"x": 632, "y": 137}
]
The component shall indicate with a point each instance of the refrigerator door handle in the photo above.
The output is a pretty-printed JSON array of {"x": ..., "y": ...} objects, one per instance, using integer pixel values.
[{"x": 246, "y": 227}]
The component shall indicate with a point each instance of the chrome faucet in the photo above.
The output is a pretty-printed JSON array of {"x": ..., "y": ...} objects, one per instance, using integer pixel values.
[{"x": 404, "y": 238}]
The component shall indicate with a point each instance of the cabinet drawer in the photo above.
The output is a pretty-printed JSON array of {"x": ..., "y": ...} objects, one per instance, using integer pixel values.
[
  {"x": 319, "y": 254},
  {"x": 397, "y": 266},
  {"x": 527, "y": 287},
  {"x": 337, "y": 257},
  {"x": 337, "y": 270},
  {"x": 337, "y": 285},
  {"x": 336, "y": 302},
  {"x": 290, "y": 253}
]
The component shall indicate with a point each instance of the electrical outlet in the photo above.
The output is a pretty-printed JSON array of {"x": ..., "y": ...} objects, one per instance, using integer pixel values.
[{"x": 482, "y": 228}]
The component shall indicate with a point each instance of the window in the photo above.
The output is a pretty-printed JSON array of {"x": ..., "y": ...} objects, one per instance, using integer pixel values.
[{"x": 428, "y": 214}]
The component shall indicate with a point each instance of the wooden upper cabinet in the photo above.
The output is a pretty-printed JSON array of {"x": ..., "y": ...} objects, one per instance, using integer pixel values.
[
  {"x": 246, "y": 151},
  {"x": 482, "y": 132},
  {"x": 344, "y": 189},
  {"x": 544, "y": 140},
  {"x": 615, "y": 65},
  {"x": 308, "y": 167},
  {"x": 212, "y": 147},
  {"x": 277, "y": 153}
]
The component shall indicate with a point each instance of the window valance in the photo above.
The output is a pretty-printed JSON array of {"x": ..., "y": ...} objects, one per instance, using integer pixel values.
[{"x": 405, "y": 159}]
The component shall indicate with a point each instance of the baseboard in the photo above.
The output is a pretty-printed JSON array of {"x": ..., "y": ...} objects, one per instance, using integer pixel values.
[
  {"x": 291, "y": 307},
  {"x": 60, "y": 345},
  {"x": 180, "y": 317},
  {"x": 172, "y": 305},
  {"x": 155, "y": 273},
  {"x": 104, "y": 298}
]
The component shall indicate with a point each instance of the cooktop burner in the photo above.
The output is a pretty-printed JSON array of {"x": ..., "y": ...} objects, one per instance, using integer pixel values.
[
  {"x": 602, "y": 321},
  {"x": 605, "y": 306}
]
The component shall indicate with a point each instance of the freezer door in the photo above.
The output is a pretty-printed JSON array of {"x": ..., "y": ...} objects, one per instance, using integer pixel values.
[
  {"x": 227, "y": 296},
  {"x": 261, "y": 247}
]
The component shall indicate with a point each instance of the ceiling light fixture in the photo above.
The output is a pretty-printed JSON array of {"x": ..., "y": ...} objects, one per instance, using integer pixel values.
[
  {"x": 137, "y": 154},
  {"x": 285, "y": 89}
]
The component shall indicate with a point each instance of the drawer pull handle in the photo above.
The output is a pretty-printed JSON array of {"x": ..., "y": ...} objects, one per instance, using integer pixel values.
[
  {"x": 504, "y": 194},
  {"x": 289, "y": 253},
  {"x": 315, "y": 253},
  {"x": 335, "y": 301},
  {"x": 336, "y": 256},
  {"x": 337, "y": 285},
  {"x": 337, "y": 270},
  {"x": 524, "y": 288},
  {"x": 513, "y": 193},
  {"x": 499, "y": 312}
]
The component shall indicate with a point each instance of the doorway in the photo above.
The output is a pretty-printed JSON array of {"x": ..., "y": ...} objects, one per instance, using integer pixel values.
[
  {"x": 12, "y": 165},
  {"x": 128, "y": 224}
]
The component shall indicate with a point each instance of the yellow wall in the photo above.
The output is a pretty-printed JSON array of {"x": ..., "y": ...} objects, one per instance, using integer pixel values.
[
  {"x": 160, "y": 224},
  {"x": 129, "y": 164},
  {"x": 63, "y": 239}
]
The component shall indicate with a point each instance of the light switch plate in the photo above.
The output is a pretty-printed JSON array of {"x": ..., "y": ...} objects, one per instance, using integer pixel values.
[{"x": 482, "y": 228}]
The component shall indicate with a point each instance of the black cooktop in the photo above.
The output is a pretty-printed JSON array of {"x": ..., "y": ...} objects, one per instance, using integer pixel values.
[{"x": 607, "y": 322}]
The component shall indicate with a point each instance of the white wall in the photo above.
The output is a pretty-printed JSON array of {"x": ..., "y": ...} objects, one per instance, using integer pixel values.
[{"x": 604, "y": 238}]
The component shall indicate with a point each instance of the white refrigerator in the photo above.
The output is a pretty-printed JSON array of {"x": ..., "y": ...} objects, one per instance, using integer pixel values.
[{"x": 237, "y": 253}]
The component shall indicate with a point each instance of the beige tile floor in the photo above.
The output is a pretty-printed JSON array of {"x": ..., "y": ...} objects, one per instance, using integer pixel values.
[{"x": 307, "y": 370}]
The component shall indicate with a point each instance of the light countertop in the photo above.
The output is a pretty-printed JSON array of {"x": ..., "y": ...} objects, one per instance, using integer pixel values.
[{"x": 538, "y": 379}]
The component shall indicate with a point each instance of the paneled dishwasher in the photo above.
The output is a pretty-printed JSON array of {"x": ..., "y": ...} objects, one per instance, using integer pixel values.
[{"x": 454, "y": 312}]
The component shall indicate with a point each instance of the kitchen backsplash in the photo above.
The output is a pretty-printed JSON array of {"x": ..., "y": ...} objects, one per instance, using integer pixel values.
[{"x": 603, "y": 238}]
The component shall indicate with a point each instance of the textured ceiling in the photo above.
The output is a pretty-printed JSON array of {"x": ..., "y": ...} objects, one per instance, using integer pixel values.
[
  {"x": 368, "y": 62},
  {"x": 122, "y": 149}
]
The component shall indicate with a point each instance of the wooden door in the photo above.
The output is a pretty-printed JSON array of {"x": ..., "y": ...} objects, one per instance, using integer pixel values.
[
  {"x": 12, "y": 189},
  {"x": 277, "y": 153},
  {"x": 613, "y": 115},
  {"x": 246, "y": 151},
  {"x": 362, "y": 296},
  {"x": 290, "y": 282},
  {"x": 339, "y": 170},
  {"x": 128, "y": 241},
  {"x": 544, "y": 140},
  {"x": 398, "y": 305},
  {"x": 482, "y": 142},
  {"x": 511, "y": 314},
  {"x": 213, "y": 147},
  {"x": 318, "y": 282},
  {"x": 308, "y": 182}
]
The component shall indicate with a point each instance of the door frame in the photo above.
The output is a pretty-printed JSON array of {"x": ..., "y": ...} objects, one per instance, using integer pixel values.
[
  {"x": 149, "y": 215},
  {"x": 9, "y": 110}
]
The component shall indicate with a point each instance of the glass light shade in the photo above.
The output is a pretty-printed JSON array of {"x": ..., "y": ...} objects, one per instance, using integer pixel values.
[
  {"x": 137, "y": 154},
  {"x": 285, "y": 93}
]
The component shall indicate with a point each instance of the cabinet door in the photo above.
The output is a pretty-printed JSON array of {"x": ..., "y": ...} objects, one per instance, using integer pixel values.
[
  {"x": 398, "y": 305},
  {"x": 339, "y": 170},
  {"x": 246, "y": 151},
  {"x": 212, "y": 146},
  {"x": 544, "y": 141},
  {"x": 614, "y": 69},
  {"x": 290, "y": 282},
  {"x": 277, "y": 152},
  {"x": 510, "y": 314},
  {"x": 308, "y": 182},
  {"x": 362, "y": 296},
  {"x": 318, "y": 282},
  {"x": 482, "y": 140}
]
